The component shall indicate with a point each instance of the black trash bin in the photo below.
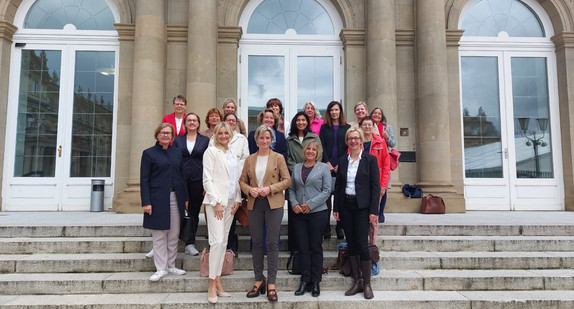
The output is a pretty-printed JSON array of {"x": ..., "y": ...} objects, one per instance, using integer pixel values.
[{"x": 97, "y": 197}]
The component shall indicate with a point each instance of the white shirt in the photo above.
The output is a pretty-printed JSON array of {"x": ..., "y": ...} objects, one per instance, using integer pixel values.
[
  {"x": 352, "y": 174},
  {"x": 178, "y": 122},
  {"x": 232, "y": 167},
  {"x": 190, "y": 146},
  {"x": 260, "y": 169}
]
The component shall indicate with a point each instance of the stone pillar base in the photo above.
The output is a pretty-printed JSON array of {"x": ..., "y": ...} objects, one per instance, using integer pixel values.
[{"x": 128, "y": 201}]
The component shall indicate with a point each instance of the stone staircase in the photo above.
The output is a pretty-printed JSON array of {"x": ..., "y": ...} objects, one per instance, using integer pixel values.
[{"x": 422, "y": 266}]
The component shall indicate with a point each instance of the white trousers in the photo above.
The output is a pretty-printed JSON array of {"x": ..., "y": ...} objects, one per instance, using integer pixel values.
[
  {"x": 165, "y": 241},
  {"x": 218, "y": 234}
]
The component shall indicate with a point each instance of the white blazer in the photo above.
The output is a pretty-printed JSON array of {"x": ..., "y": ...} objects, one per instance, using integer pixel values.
[
  {"x": 216, "y": 177},
  {"x": 239, "y": 147}
]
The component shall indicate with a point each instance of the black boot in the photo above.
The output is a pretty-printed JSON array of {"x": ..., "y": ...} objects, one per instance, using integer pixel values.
[
  {"x": 366, "y": 270},
  {"x": 356, "y": 274},
  {"x": 339, "y": 230},
  {"x": 315, "y": 289},
  {"x": 303, "y": 287}
]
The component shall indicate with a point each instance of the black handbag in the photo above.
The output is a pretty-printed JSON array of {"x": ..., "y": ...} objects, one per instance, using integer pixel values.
[
  {"x": 187, "y": 229},
  {"x": 294, "y": 263}
]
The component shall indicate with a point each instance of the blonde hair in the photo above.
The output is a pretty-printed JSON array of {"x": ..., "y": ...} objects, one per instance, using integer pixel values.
[
  {"x": 226, "y": 102},
  {"x": 355, "y": 129},
  {"x": 318, "y": 145},
  {"x": 262, "y": 129},
  {"x": 218, "y": 127},
  {"x": 361, "y": 103},
  {"x": 275, "y": 117}
]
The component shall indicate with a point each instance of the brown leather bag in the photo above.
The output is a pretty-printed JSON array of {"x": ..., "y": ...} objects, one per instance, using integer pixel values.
[
  {"x": 227, "y": 268},
  {"x": 432, "y": 204}
]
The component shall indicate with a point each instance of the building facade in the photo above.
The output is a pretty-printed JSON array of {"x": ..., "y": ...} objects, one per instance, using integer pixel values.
[{"x": 477, "y": 91}]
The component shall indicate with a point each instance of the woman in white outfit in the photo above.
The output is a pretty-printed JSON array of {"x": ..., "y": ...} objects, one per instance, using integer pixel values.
[{"x": 222, "y": 198}]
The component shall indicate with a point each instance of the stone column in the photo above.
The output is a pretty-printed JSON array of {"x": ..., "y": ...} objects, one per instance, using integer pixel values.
[
  {"x": 201, "y": 57},
  {"x": 355, "y": 69},
  {"x": 7, "y": 31},
  {"x": 433, "y": 153},
  {"x": 227, "y": 51},
  {"x": 382, "y": 64},
  {"x": 564, "y": 42},
  {"x": 148, "y": 92}
]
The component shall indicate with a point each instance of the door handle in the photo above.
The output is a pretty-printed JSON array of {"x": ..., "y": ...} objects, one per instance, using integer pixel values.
[
  {"x": 505, "y": 153},
  {"x": 60, "y": 151}
]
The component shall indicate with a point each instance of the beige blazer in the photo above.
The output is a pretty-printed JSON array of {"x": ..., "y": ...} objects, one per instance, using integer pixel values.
[
  {"x": 216, "y": 177},
  {"x": 276, "y": 177}
]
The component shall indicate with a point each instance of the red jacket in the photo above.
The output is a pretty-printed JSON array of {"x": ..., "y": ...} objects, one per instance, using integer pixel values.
[
  {"x": 170, "y": 118},
  {"x": 380, "y": 151}
]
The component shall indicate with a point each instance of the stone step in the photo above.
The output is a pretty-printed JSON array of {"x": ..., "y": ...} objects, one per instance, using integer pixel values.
[
  {"x": 116, "y": 262},
  {"x": 241, "y": 281},
  {"x": 328, "y": 299},
  {"x": 388, "y": 228},
  {"x": 477, "y": 260},
  {"x": 385, "y": 243}
]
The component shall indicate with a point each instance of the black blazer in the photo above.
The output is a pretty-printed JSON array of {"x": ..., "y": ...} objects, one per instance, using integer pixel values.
[
  {"x": 367, "y": 186},
  {"x": 192, "y": 163},
  {"x": 327, "y": 138},
  {"x": 160, "y": 171},
  {"x": 280, "y": 147}
]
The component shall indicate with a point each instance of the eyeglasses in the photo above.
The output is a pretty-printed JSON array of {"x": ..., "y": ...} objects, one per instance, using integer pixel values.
[
  {"x": 353, "y": 138},
  {"x": 191, "y": 120},
  {"x": 366, "y": 125},
  {"x": 165, "y": 133},
  {"x": 231, "y": 120},
  {"x": 179, "y": 104}
]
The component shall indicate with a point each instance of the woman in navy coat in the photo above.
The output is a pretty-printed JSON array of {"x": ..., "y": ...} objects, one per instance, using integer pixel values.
[
  {"x": 164, "y": 199},
  {"x": 192, "y": 146}
]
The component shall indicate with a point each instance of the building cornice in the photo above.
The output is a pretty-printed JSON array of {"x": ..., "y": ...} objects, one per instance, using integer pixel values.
[
  {"x": 176, "y": 33},
  {"x": 229, "y": 35},
  {"x": 126, "y": 32},
  {"x": 453, "y": 37},
  {"x": 352, "y": 37},
  {"x": 7, "y": 31},
  {"x": 563, "y": 40},
  {"x": 405, "y": 37}
]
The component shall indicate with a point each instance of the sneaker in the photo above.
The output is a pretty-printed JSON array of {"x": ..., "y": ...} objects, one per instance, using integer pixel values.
[
  {"x": 149, "y": 255},
  {"x": 158, "y": 275},
  {"x": 176, "y": 271},
  {"x": 191, "y": 250}
]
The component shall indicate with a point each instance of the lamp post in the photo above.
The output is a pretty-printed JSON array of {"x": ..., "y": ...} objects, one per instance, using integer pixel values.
[{"x": 534, "y": 141}]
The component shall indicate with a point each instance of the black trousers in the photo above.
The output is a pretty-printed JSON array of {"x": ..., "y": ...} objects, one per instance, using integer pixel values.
[
  {"x": 356, "y": 225},
  {"x": 195, "y": 192},
  {"x": 309, "y": 238}
]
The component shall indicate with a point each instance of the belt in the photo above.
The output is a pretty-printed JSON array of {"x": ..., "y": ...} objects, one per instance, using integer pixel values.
[{"x": 350, "y": 197}]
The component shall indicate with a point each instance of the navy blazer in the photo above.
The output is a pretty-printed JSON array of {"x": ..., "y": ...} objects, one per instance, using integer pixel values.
[
  {"x": 367, "y": 187},
  {"x": 280, "y": 146},
  {"x": 192, "y": 163},
  {"x": 160, "y": 171},
  {"x": 327, "y": 141}
]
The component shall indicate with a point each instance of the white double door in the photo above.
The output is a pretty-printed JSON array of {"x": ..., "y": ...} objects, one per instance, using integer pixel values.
[
  {"x": 511, "y": 132},
  {"x": 60, "y": 126},
  {"x": 294, "y": 74}
]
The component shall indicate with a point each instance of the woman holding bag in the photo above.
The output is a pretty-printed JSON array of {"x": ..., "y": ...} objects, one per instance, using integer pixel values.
[{"x": 222, "y": 198}]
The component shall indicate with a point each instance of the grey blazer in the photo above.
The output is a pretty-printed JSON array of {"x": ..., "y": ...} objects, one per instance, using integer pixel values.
[{"x": 315, "y": 191}]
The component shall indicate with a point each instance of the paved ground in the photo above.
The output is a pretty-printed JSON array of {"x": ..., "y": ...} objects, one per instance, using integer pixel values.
[{"x": 469, "y": 218}]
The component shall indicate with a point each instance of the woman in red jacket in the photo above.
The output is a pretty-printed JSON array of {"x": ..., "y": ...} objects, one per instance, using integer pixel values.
[{"x": 375, "y": 145}]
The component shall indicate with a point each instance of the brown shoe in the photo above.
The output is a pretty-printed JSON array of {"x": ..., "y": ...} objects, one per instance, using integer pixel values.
[
  {"x": 356, "y": 274},
  {"x": 271, "y": 295},
  {"x": 256, "y": 290}
]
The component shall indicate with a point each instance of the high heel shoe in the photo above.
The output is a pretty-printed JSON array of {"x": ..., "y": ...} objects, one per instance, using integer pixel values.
[
  {"x": 222, "y": 294},
  {"x": 212, "y": 300},
  {"x": 255, "y": 291},
  {"x": 271, "y": 295}
]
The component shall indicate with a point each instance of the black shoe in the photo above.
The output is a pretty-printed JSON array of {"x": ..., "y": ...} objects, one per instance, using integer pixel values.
[
  {"x": 326, "y": 236},
  {"x": 304, "y": 286},
  {"x": 381, "y": 219},
  {"x": 340, "y": 234},
  {"x": 315, "y": 290}
]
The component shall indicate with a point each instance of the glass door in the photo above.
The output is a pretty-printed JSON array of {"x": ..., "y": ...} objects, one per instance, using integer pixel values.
[
  {"x": 292, "y": 74},
  {"x": 508, "y": 125},
  {"x": 63, "y": 121}
]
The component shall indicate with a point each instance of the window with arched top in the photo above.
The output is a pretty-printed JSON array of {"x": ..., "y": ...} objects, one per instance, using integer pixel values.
[
  {"x": 290, "y": 50},
  {"x": 84, "y": 15},
  {"x": 509, "y": 107},
  {"x": 62, "y": 103},
  {"x": 278, "y": 16}
]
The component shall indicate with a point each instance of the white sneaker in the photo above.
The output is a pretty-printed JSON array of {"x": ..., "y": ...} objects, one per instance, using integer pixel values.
[
  {"x": 149, "y": 255},
  {"x": 176, "y": 271},
  {"x": 158, "y": 275},
  {"x": 191, "y": 250}
]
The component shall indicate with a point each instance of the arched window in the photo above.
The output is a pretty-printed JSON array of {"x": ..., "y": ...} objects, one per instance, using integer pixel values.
[
  {"x": 303, "y": 16},
  {"x": 84, "y": 15},
  {"x": 290, "y": 50},
  {"x": 490, "y": 17},
  {"x": 509, "y": 107},
  {"x": 62, "y": 102}
]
